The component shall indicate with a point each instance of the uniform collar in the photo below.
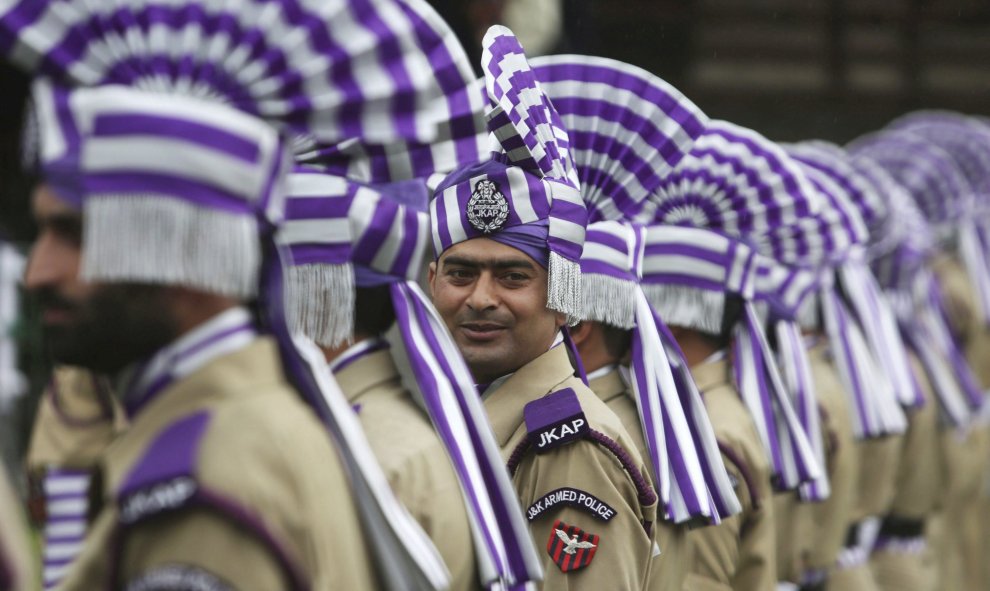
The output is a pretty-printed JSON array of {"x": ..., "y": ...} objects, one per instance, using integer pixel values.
[
  {"x": 533, "y": 380},
  {"x": 607, "y": 383},
  {"x": 711, "y": 374},
  {"x": 221, "y": 335},
  {"x": 375, "y": 366}
]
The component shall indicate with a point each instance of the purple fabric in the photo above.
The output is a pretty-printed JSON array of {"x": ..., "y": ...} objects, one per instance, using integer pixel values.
[
  {"x": 550, "y": 409},
  {"x": 172, "y": 454},
  {"x": 530, "y": 239},
  {"x": 409, "y": 312}
]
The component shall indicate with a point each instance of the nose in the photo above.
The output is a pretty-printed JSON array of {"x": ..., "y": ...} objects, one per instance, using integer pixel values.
[
  {"x": 484, "y": 294},
  {"x": 45, "y": 266}
]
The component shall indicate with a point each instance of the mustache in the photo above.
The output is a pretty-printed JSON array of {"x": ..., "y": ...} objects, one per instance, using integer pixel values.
[
  {"x": 487, "y": 317},
  {"x": 50, "y": 299}
]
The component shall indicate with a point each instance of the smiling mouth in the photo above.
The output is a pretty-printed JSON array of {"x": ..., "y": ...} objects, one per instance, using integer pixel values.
[{"x": 482, "y": 331}]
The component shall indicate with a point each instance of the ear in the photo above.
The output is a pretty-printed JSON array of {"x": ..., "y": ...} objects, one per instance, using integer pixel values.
[
  {"x": 580, "y": 333},
  {"x": 431, "y": 277}
]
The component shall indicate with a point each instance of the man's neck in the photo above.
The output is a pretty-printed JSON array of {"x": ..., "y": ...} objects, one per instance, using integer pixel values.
[{"x": 697, "y": 347}]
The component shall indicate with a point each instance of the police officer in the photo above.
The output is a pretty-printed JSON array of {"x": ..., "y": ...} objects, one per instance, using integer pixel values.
[
  {"x": 508, "y": 235},
  {"x": 17, "y": 564},
  {"x": 155, "y": 232}
]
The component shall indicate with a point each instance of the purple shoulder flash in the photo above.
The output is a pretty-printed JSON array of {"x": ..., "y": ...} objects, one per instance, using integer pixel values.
[
  {"x": 555, "y": 420},
  {"x": 164, "y": 478}
]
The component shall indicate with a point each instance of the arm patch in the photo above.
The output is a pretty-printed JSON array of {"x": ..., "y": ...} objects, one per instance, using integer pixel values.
[
  {"x": 555, "y": 420},
  {"x": 175, "y": 577}
]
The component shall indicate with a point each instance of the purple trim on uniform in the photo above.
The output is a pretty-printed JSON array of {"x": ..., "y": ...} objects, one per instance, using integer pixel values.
[
  {"x": 237, "y": 514},
  {"x": 643, "y": 489},
  {"x": 172, "y": 454},
  {"x": 135, "y": 401},
  {"x": 743, "y": 468},
  {"x": 552, "y": 408},
  {"x": 574, "y": 355},
  {"x": 348, "y": 358}
]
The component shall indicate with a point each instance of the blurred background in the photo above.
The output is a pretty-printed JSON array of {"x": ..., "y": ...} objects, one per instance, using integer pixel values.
[{"x": 791, "y": 69}]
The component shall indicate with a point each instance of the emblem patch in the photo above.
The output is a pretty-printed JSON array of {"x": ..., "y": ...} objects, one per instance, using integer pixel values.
[
  {"x": 174, "y": 576},
  {"x": 571, "y": 497},
  {"x": 555, "y": 420},
  {"x": 156, "y": 498},
  {"x": 570, "y": 547},
  {"x": 487, "y": 209}
]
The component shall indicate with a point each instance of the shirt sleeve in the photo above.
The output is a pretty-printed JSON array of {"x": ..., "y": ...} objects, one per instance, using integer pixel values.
[
  {"x": 197, "y": 550},
  {"x": 588, "y": 518}
]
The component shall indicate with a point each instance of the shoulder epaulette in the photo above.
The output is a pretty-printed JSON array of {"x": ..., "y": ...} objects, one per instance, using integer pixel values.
[
  {"x": 555, "y": 420},
  {"x": 164, "y": 478}
]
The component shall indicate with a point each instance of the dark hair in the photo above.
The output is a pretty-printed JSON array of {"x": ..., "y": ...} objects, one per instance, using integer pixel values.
[
  {"x": 373, "y": 312},
  {"x": 731, "y": 316},
  {"x": 617, "y": 340}
]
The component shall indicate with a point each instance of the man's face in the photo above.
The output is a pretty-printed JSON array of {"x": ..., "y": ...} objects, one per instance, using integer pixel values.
[
  {"x": 102, "y": 327},
  {"x": 494, "y": 300}
]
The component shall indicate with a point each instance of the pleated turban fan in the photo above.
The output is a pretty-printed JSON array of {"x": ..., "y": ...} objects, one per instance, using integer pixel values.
[
  {"x": 736, "y": 196},
  {"x": 165, "y": 123},
  {"x": 902, "y": 267},
  {"x": 967, "y": 142},
  {"x": 527, "y": 195},
  {"x": 628, "y": 128}
]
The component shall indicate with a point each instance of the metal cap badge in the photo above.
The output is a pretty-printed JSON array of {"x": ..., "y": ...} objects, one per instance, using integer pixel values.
[{"x": 487, "y": 210}]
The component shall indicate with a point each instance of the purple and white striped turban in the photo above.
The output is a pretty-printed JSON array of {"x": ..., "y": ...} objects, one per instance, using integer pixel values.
[
  {"x": 835, "y": 163},
  {"x": 527, "y": 195},
  {"x": 739, "y": 183},
  {"x": 684, "y": 454},
  {"x": 928, "y": 172},
  {"x": 627, "y": 129},
  {"x": 179, "y": 130},
  {"x": 968, "y": 143},
  {"x": 342, "y": 235},
  {"x": 688, "y": 273},
  {"x": 164, "y": 123}
]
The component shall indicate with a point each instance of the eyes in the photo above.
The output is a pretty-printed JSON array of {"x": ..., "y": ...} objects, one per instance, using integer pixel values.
[{"x": 510, "y": 278}]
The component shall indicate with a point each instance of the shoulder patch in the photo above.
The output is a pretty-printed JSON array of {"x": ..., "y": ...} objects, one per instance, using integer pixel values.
[
  {"x": 555, "y": 420},
  {"x": 571, "y": 497},
  {"x": 570, "y": 547},
  {"x": 176, "y": 577},
  {"x": 164, "y": 477}
]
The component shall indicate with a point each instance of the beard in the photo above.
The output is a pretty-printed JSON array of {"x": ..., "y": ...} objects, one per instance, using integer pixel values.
[{"x": 114, "y": 326}]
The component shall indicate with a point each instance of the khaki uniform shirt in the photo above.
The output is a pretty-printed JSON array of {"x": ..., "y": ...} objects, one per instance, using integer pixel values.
[
  {"x": 17, "y": 563},
  {"x": 832, "y": 517},
  {"x": 739, "y": 553},
  {"x": 413, "y": 459},
  {"x": 592, "y": 490},
  {"x": 917, "y": 484},
  {"x": 670, "y": 568},
  {"x": 270, "y": 507},
  {"x": 77, "y": 418}
]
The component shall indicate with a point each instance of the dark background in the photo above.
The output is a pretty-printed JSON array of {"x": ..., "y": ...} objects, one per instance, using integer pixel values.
[{"x": 791, "y": 69}]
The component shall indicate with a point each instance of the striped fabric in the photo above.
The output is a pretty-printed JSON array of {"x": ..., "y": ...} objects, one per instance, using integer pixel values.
[
  {"x": 168, "y": 115},
  {"x": 969, "y": 146},
  {"x": 683, "y": 452},
  {"x": 899, "y": 223},
  {"x": 334, "y": 69},
  {"x": 739, "y": 183},
  {"x": 66, "y": 494},
  {"x": 834, "y": 162},
  {"x": 343, "y": 235},
  {"x": 836, "y": 228},
  {"x": 926, "y": 171},
  {"x": 13, "y": 384},
  {"x": 627, "y": 128},
  {"x": 687, "y": 275},
  {"x": 533, "y": 178}
]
